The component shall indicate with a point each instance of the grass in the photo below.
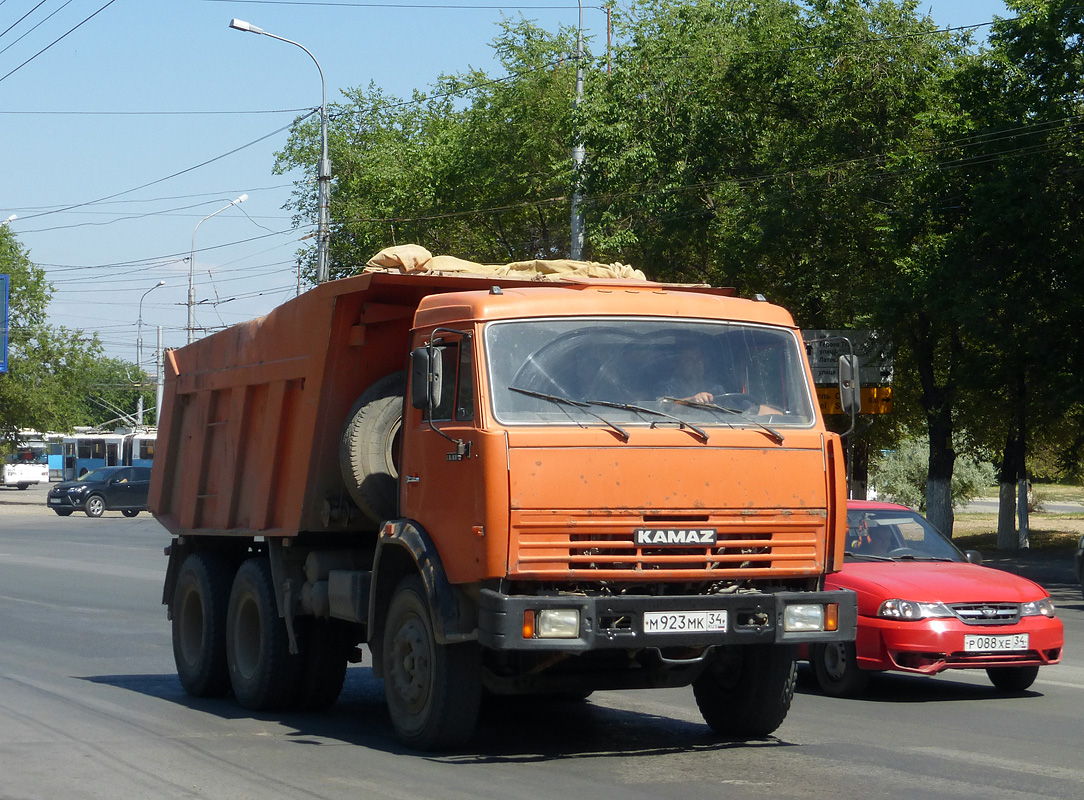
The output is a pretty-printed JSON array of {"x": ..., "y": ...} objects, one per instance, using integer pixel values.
[{"x": 1050, "y": 533}]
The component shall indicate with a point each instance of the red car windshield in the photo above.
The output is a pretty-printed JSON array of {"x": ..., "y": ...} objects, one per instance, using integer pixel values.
[{"x": 878, "y": 534}]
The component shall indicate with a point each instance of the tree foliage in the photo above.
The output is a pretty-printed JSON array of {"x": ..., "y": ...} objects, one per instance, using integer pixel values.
[{"x": 52, "y": 372}]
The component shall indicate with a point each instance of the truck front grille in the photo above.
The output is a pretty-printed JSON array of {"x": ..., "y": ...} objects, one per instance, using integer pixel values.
[{"x": 762, "y": 543}]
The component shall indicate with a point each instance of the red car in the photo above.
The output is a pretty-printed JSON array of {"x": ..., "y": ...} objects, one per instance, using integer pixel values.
[{"x": 924, "y": 607}]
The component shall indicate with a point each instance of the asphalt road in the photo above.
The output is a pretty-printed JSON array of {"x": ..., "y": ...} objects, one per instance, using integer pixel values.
[{"x": 90, "y": 707}]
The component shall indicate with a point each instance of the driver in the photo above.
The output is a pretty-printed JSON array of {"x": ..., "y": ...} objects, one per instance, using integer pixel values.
[{"x": 689, "y": 379}]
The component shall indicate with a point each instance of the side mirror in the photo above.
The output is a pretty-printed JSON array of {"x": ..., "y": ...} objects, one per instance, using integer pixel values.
[
  {"x": 426, "y": 379},
  {"x": 850, "y": 391},
  {"x": 973, "y": 556}
]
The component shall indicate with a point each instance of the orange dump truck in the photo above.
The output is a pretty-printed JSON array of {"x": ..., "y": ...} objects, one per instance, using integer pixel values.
[{"x": 500, "y": 485}]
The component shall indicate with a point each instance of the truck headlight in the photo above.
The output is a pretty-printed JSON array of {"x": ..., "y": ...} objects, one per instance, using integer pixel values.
[
  {"x": 806, "y": 617},
  {"x": 551, "y": 623}
]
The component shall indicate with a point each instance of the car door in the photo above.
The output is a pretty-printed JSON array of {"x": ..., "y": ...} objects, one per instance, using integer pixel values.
[
  {"x": 117, "y": 490},
  {"x": 139, "y": 485}
]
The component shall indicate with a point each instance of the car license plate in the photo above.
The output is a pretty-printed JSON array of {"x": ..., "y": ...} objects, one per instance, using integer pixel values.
[
  {"x": 684, "y": 621},
  {"x": 995, "y": 644},
  {"x": 53, "y": 501}
]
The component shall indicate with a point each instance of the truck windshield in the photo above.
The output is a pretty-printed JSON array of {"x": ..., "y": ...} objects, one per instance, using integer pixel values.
[{"x": 700, "y": 372}]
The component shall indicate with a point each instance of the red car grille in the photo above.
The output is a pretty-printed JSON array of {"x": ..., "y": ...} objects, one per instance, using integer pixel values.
[{"x": 987, "y": 613}]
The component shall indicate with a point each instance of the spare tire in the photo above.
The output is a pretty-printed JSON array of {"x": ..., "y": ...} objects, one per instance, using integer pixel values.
[{"x": 369, "y": 448}]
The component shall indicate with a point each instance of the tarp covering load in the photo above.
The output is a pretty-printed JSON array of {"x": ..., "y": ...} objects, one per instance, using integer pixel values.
[{"x": 413, "y": 258}]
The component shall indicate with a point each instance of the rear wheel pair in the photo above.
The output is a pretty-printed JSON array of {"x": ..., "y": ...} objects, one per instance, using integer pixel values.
[{"x": 227, "y": 634}]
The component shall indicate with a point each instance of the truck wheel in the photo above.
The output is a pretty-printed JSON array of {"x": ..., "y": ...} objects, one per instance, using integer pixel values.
[
  {"x": 369, "y": 448},
  {"x": 263, "y": 673},
  {"x": 434, "y": 691},
  {"x": 746, "y": 694},
  {"x": 200, "y": 599},
  {"x": 1012, "y": 679},
  {"x": 95, "y": 506},
  {"x": 23, "y": 485},
  {"x": 325, "y": 645},
  {"x": 836, "y": 667}
]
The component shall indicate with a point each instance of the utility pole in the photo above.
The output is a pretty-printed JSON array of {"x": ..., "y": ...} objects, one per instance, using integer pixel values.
[{"x": 576, "y": 250}]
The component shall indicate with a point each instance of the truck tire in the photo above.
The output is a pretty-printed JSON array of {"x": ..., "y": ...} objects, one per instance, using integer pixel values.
[
  {"x": 200, "y": 599},
  {"x": 369, "y": 448},
  {"x": 434, "y": 691},
  {"x": 836, "y": 666},
  {"x": 263, "y": 673},
  {"x": 746, "y": 694},
  {"x": 325, "y": 646}
]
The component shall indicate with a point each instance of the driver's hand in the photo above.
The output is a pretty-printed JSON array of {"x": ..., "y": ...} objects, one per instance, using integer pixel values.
[{"x": 702, "y": 397}]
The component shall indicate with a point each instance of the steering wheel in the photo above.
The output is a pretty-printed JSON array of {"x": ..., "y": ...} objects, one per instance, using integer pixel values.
[
  {"x": 735, "y": 400},
  {"x": 900, "y": 552}
]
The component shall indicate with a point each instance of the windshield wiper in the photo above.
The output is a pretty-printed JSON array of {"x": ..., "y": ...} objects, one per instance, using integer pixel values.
[
  {"x": 641, "y": 410},
  {"x": 585, "y": 407},
  {"x": 777, "y": 437}
]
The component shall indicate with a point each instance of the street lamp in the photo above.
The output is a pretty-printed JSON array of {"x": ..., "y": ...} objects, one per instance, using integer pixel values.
[
  {"x": 192, "y": 269},
  {"x": 324, "y": 169},
  {"x": 139, "y": 347},
  {"x": 139, "y": 325},
  {"x": 12, "y": 218}
]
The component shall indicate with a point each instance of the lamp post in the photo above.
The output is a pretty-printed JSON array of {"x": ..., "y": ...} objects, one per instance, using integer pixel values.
[
  {"x": 324, "y": 168},
  {"x": 192, "y": 269},
  {"x": 12, "y": 218},
  {"x": 139, "y": 346},
  {"x": 139, "y": 325}
]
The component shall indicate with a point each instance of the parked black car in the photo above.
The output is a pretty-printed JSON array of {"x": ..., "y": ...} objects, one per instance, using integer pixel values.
[{"x": 101, "y": 490}]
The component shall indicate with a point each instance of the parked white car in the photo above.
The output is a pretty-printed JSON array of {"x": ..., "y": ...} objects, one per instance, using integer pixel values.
[{"x": 24, "y": 473}]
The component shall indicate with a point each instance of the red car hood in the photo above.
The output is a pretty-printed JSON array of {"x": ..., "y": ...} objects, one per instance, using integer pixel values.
[{"x": 934, "y": 582}]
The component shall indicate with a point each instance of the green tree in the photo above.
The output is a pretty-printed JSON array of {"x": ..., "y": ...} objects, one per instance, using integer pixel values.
[
  {"x": 477, "y": 167},
  {"x": 1021, "y": 269},
  {"x": 50, "y": 370}
]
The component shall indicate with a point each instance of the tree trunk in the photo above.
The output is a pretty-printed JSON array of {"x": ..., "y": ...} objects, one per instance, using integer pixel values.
[
  {"x": 1006, "y": 506},
  {"x": 939, "y": 473}
]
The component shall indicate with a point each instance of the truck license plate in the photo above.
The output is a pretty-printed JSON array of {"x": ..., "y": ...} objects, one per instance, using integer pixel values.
[
  {"x": 995, "y": 644},
  {"x": 684, "y": 621}
]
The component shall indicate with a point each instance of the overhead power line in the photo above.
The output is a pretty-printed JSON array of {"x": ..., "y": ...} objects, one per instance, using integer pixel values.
[{"x": 58, "y": 39}]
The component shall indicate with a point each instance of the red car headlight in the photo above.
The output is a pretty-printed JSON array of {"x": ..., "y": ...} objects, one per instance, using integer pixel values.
[
  {"x": 1044, "y": 607},
  {"x": 911, "y": 610}
]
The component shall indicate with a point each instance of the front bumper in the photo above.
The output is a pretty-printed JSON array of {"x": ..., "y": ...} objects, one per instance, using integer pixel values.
[
  {"x": 617, "y": 622},
  {"x": 75, "y": 502},
  {"x": 935, "y": 645}
]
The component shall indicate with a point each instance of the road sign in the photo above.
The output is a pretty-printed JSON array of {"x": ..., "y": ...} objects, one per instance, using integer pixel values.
[{"x": 874, "y": 353}]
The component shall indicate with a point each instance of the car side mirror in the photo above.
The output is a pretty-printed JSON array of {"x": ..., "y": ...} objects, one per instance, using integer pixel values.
[{"x": 973, "y": 556}]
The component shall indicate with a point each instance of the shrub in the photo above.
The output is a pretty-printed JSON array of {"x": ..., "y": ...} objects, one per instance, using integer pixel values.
[{"x": 900, "y": 475}]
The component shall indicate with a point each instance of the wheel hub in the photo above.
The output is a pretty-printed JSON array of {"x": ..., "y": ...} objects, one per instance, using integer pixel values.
[{"x": 411, "y": 664}]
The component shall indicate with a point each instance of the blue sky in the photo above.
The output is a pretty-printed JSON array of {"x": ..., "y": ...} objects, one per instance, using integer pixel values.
[{"x": 121, "y": 101}]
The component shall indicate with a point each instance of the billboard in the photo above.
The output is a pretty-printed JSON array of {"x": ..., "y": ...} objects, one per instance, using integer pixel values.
[{"x": 5, "y": 281}]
